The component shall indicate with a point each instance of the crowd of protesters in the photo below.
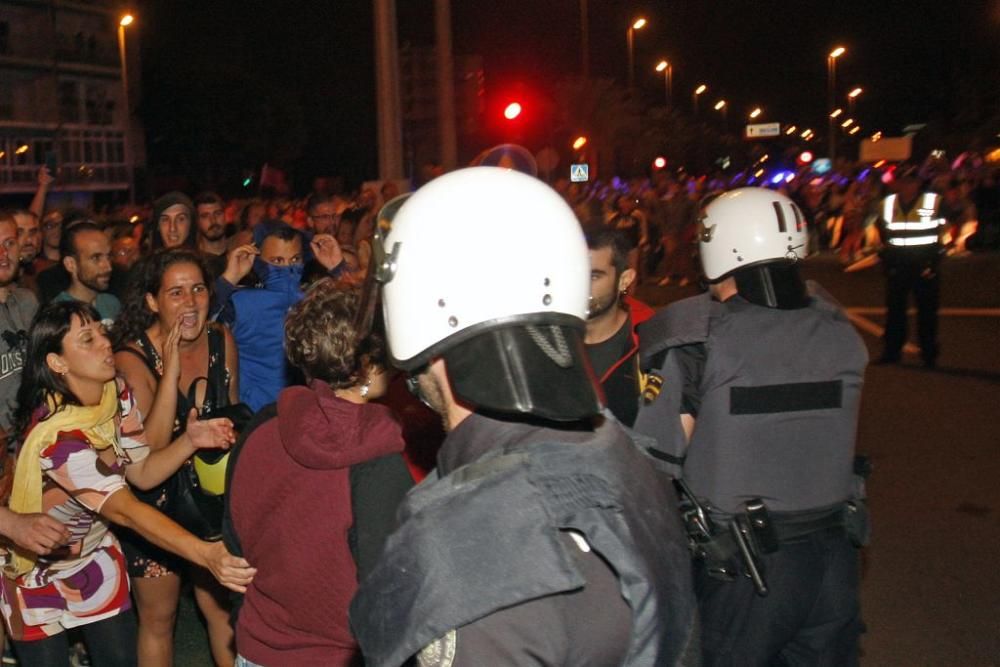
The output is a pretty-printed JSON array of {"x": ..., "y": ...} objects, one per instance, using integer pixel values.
[{"x": 162, "y": 332}]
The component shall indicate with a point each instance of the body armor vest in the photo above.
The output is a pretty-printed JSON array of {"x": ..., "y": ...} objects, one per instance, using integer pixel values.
[
  {"x": 780, "y": 394},
  {"x": 606, "y": 490}
]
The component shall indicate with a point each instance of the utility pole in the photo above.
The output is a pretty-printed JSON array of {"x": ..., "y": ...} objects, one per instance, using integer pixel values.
[
  {"x": 445, "y": 85},
  {"x": 390, "y": 126}
]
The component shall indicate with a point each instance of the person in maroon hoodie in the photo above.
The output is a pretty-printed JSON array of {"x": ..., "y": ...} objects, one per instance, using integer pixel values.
[{"x": 313, "y": 490}]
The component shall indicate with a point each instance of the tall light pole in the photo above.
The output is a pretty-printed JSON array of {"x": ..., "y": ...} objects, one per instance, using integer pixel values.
[
  {"x": 446, "y": 85},
  {"x": 389, "y": 108},
  {"x": 721, "y": 107},
  {"x": 852, "y": 97},
  {"x": 831, "y": 93},
  {"x": 638, "y": 24},
  {"x": 668, "y": 78},
  {"x": 123, "y": 22},
  {"x": 694, "y": 97}
]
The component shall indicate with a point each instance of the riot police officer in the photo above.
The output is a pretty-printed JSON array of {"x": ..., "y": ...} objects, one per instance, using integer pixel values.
[
  {"x": 759, "y": 382},
  {"x": 544, "y": 536}
]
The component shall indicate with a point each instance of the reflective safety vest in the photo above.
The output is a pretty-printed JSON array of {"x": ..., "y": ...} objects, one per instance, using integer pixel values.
[{"x": 920, "y": 226}]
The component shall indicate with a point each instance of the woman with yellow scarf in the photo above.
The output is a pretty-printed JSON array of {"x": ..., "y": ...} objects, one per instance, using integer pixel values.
[{"x": 83, "y": 444}]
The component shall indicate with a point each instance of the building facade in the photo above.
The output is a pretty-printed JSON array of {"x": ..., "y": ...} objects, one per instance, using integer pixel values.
[
  {"x": 418, "y": 93},
  {"x": 62, "y": 98}
]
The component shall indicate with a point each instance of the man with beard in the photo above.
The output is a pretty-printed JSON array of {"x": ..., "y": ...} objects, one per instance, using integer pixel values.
[
  {"x": 210, "y": 230},
  {"x": 86, "y": 253},
  {"x": 611, "y": 339}
]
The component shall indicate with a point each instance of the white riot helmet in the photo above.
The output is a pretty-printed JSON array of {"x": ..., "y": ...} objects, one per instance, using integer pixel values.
[
  {"x": 749, "y": 226},
  {"x": 756, "y": 235},
  {"x": 488, "y": 268}
]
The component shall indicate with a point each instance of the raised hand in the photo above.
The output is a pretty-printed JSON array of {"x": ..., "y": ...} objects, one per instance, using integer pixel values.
[
  {"x": 239, "y": 262},
  {"x": 170, "y": 355},
  {"x": 326, "y": 250}
]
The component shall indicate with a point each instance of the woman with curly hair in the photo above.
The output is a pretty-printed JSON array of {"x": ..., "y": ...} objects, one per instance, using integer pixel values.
[
  {"x": 84, "y": 443},
  {"x": 166, "y": 348},
  {"x": 334, "y": 459}
]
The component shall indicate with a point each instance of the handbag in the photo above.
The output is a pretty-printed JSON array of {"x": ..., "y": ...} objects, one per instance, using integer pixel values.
[{"x": 197, "y": 503}]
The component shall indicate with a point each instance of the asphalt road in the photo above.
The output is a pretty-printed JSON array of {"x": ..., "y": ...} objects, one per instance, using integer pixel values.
[{"x": 931, "y": 584}]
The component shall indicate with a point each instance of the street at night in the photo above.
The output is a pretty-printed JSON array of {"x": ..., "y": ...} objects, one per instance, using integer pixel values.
[{"x": 465, "y": 334}]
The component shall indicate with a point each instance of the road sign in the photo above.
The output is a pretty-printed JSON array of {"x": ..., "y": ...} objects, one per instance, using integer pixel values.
[
  {"x": 579, "y": 173},
  {"x": 892, "y": 149},
  {"x": 763, "y": 130}
]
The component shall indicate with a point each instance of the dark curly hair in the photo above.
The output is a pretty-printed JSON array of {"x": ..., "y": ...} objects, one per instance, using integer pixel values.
[
  {"x": 38, "y": 381},
  {"x": 147, "y": 277},
  {"x": 320, "y": 339}
]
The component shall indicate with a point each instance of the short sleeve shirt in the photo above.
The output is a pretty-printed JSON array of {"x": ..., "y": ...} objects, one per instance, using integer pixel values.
[{"x": 77, "y": 481}]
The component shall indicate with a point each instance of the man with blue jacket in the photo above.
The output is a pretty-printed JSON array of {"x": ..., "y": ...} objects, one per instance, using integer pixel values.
[{"x": 257, "y": 315}]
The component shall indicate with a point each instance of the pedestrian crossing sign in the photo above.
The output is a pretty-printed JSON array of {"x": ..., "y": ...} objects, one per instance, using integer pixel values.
[{"x": 579, "y": 173}]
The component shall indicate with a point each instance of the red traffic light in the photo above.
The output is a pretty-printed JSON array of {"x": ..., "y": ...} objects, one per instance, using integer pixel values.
[
  {"x": 512, "y": 111},
  {"x": 660, "y": 162},
  {"x": 805, "y": 157}
]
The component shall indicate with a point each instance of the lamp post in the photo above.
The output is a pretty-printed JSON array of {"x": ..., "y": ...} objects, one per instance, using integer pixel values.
[
  {"x": 721, "y": 107},
  {"x": 757, "y": 111},
  {"x": 831, "y": 92},
  {"x": 638, "y": 24},
  {"x": 124, "y": 22},
  {"x": 852, "y": 98},
  {"x": 694, "y": 97},
  {"x": 668, "y": 78}
]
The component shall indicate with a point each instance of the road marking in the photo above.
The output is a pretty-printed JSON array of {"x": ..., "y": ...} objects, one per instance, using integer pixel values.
[
  {"x": 869, "y": 327},
  {"x": 944, "y": 312}
]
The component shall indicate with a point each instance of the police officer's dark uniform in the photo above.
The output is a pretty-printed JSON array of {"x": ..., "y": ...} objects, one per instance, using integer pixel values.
[
  {"x": 772, "y": 377},
  {"x": 910, "y": 226},
  {"x": 545, "y": 536}
]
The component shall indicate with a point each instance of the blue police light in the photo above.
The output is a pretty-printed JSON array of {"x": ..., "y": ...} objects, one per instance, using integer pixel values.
[{"x": 822, "y": 165}]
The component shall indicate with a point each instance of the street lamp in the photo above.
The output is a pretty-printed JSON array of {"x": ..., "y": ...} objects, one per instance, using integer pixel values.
[
  {"x": 579, "y": 143},
  {"x": 847, "y": 123},
  {"x": 123, "y": 22},
  {"x": 831, "y": 84},
  {"x": 721, "y": 106},
  {"x": 638, "y": 24},
  {"x": 755, "y": 113},
  {"x": 668, "y": 78},
  {"x": 694, "y": 97},
  {"x": 836, "y": 112},
  {"x": 852, "y": 97}
]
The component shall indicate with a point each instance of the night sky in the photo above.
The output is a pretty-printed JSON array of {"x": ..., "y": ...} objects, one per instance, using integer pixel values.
[{"x": 211, "y": 62}]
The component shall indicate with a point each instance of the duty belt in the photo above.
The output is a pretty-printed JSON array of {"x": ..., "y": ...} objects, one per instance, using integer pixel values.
[{"x": 717, "y": 539}]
